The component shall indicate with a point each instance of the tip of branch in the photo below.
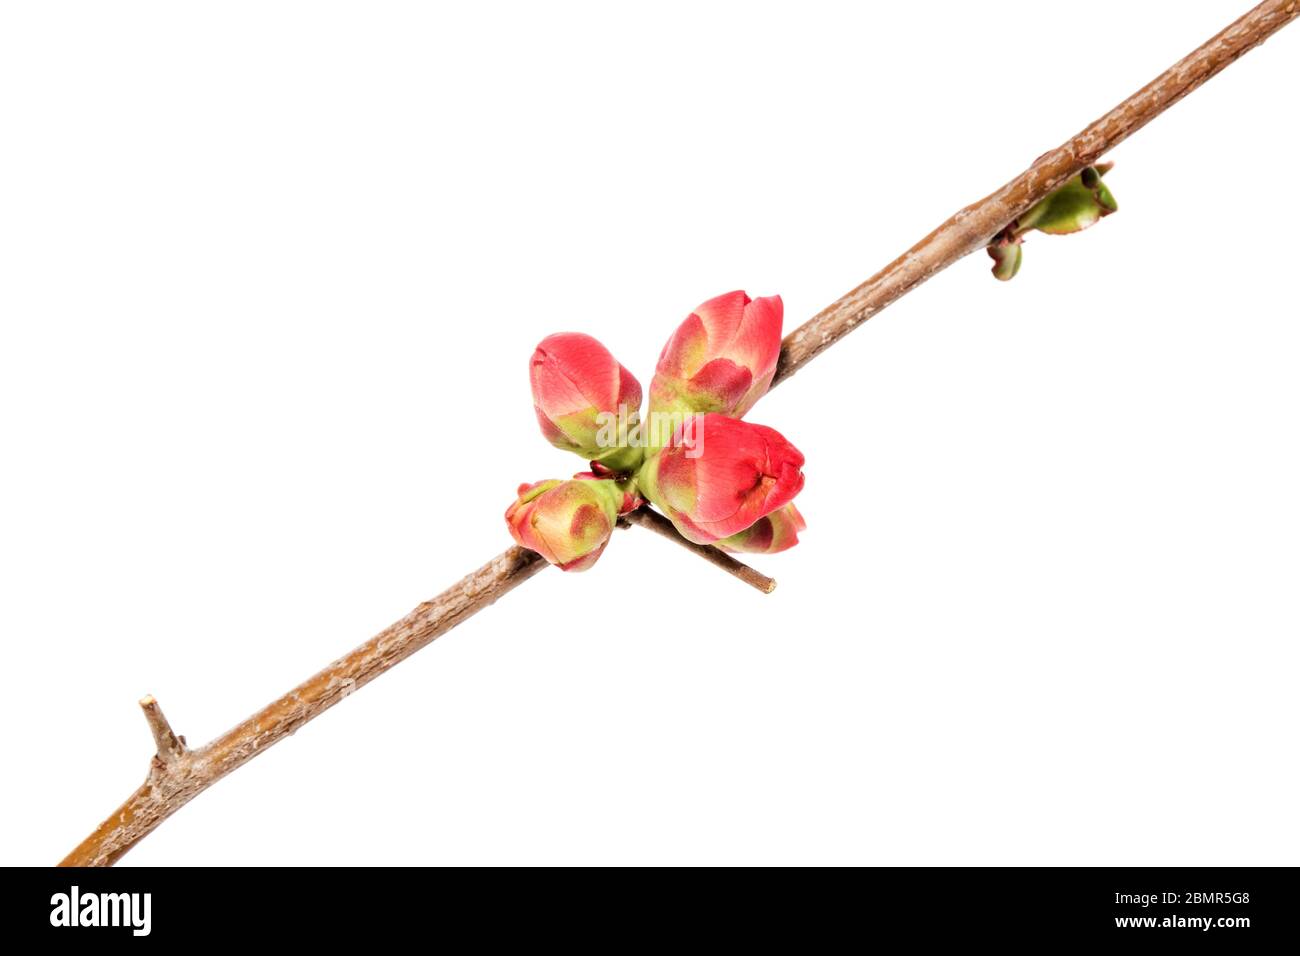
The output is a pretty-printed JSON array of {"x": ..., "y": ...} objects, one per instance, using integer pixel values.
[
  {"x": 647, "y": 518},
  {"x": 170, "y": 747}
]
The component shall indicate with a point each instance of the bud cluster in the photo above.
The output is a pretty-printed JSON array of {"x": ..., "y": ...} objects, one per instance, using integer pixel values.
[{"x": 720, "y": 480}]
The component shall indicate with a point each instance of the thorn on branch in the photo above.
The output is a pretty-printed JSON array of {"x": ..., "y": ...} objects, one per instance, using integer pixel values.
[{"x": 170, "y": 747}]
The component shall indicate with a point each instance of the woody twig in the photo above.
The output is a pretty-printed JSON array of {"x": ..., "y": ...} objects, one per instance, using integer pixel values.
[{"x": 179, "y": 774}]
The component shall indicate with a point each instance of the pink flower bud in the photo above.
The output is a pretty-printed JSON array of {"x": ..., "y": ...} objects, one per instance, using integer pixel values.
[
  {"x": 579, "y": 391},
  {"x": 566, "y": 522},
  {"x": 721, "y": 359},
  {"x": 778, "y": 531},
  {"x": 719, "y": 475}
]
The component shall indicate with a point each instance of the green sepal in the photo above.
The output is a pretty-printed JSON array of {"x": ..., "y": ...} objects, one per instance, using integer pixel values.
[
  {"x": 623, "y": 460},
  {"x": 1080, "y": 203},
  {"x": 1006, "y": 254}
]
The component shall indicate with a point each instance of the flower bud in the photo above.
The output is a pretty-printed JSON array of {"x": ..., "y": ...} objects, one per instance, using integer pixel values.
[
  {"x": 778, "y": 531},
  {"x": 1081, "y": 202},
  {"x": 721, "y": 359},
  {"x": 586, "y": 402},
  {"x": 566, "y": 522},
  {"x": 719, "y": 475},
  {"x": 1006, "y": 254}
]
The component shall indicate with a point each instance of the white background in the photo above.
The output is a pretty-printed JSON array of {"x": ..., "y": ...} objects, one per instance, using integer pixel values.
[{"x": 269, "y": 278}]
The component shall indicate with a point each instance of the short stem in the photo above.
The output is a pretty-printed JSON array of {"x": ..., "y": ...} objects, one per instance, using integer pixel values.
[
  {"x": 624, "y": 460},
  {"x": 738, "y": 569},
  {"x": 170, "y": 747}
]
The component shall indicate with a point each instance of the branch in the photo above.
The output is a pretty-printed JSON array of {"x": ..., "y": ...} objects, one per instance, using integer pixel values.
[
  {"x": 177, "y": 775},
  {"x": 176, "y": 778},
  {"x": 661, "y": 525},
  {"x": 174, "y": 782},
  {"x": 973, "y": 227}
]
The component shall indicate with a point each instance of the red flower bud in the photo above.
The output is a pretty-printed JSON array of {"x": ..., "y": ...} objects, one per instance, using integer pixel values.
[
  {"x": 721, "y": 359},
  {"x": 566, "y": 522},
  {"x": 719, "y": 475},
  {"x": 578, "y": 390}
]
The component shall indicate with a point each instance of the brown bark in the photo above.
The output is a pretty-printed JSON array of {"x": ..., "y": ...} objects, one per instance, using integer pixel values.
[{"x": 177, "y": 774}]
